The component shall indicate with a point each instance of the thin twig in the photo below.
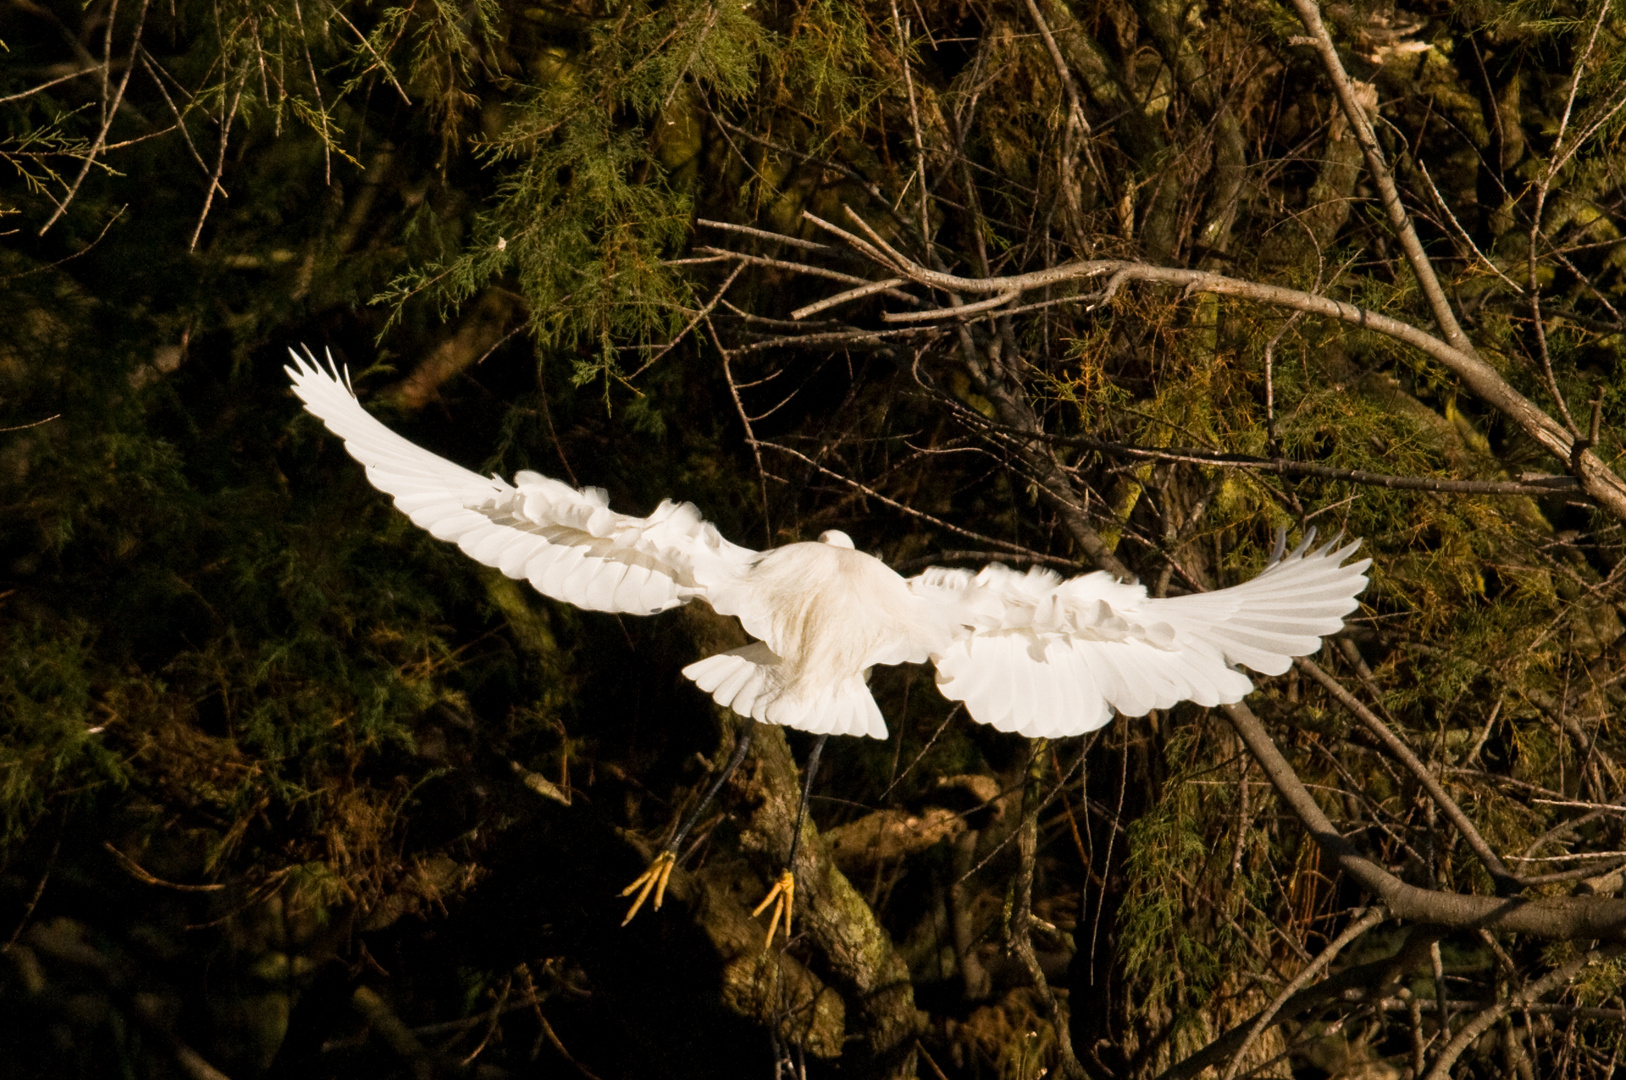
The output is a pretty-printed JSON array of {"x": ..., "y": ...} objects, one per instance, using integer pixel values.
[
  {"x": 1270, "y": 380},
  {"x": 1554, "y": 485},
  {"x": 111, "y": 108},
  {"x": 39, "y": 890},
  {"x": 763, "y": 234},
  {"x": 868, "y": 289},
  {"x": 804, "y": 268},
  {"x": 34, "y": 424},
  {"x": 96, "y": 70},
  {"x": 316, "y": 88},
  {"x": 491, "y": 1022},
  {"x": 911, "y": 511},
  {"x": 950, "y": 313},
  {"x": 382, "y": 65},
  {"x": 180, "y": 121},
  {"x": 220, "y": 163},
  {"x": 836, "y": 337},
  {"x": 955, "y": 711},
  {"x": 135, "y": 870},
  {"x": 701, "y": 314},
  {"x": 914, "y": 125},
  {"x": 1445, "y": 208},
  {"x": 745, "y": 419},
  {"x": 43, "y": 267}
]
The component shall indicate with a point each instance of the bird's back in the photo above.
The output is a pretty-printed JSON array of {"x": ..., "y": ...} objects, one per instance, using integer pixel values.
[{"x": 830, "y": 613}]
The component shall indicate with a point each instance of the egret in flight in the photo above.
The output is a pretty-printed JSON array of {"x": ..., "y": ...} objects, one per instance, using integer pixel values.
[{"x": 1028, "y": 652}]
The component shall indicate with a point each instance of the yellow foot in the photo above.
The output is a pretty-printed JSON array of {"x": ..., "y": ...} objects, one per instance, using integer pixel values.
[
  {"x": 652, "y": 880},
  {"x": 783, "y": 898}
]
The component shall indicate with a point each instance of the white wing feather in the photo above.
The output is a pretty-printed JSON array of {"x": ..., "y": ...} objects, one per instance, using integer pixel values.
[
  {"x": 1047, "y": 657},
  {"x": 569, "y": 544}
]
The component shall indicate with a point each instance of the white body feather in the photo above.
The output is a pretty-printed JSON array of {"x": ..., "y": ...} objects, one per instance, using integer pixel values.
[{"x": 1031, "y": 653}]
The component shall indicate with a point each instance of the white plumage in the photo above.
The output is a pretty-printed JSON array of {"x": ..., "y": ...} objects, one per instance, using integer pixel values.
[{"x": 1026, "y": 652}]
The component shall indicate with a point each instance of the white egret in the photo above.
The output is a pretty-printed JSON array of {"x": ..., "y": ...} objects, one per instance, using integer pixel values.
[{"x": 1026, "y": 652}]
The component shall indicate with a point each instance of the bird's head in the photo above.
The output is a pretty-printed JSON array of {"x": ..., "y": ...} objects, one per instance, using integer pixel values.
[{"x": 836, "y": 538}]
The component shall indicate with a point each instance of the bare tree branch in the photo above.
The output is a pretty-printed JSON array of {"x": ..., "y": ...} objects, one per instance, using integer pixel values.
[
  {"x": 1597, "y": 479},
  {"x": 1309, "y": 971},
  {"x": 1397, "y": 746},
  {"x": 1021, "y": 919},
  {"x": 1353, "y": 984},
  {"x": 1551, "y": 917},
  {"x": 1559, "y": 976},
  {"x": 1310, "y": 13},
  {"x": 1544, "y": 486}
]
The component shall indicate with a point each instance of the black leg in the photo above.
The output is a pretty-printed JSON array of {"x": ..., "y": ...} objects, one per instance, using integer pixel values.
[
  {"x": 659, "y": 873},
  {"x": 742, "y": 743},
  {"x": 812, "y": 771},
  {"x": 783, "y": 894}
]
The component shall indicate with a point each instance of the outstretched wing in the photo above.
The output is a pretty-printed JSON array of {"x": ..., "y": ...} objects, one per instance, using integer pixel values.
[
  {"x": 1048, "y": 657},
  {"x": 569, "y": 544}
]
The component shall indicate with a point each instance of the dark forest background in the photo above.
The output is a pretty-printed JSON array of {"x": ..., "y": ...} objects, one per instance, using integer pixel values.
[{"x": 290, "y": 789}]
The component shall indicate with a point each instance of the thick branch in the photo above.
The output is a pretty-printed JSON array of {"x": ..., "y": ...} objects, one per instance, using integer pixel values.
[
  {"x": 1552, "y": 917},
  {"x": 768, "y": 986},
  {"x": 857, "y": 955}
]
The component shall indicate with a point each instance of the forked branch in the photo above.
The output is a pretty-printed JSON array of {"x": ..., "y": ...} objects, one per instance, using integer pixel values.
[{"x": 1567, "y": 917}]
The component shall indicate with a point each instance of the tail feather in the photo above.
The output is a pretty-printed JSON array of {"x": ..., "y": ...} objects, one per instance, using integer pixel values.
[{"x": 749, "y": 681}]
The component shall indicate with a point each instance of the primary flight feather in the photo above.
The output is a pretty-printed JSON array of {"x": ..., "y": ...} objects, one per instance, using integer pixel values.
[{"x": 1027, "y": 652}]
